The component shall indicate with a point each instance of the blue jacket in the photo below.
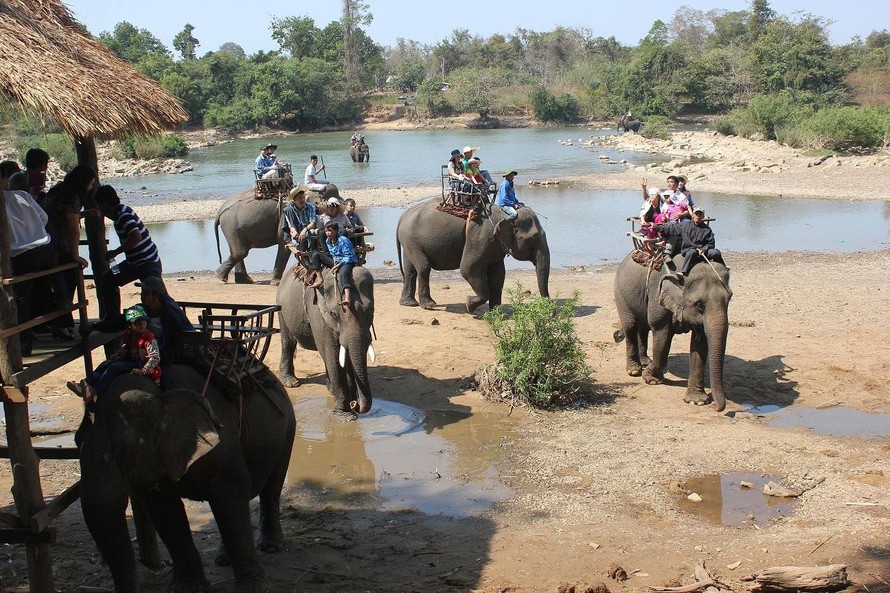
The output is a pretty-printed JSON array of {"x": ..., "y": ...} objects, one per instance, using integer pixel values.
[
  {"x": 506, "y": 194},
  {"x": 341, "y": 251}
]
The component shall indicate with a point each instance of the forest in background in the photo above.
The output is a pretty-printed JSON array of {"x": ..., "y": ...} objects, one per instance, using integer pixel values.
[{"x": 767, "y": 75}]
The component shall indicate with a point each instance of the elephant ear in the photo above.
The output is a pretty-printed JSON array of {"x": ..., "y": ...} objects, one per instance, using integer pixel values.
[
  {"x": 329, "y": 302},
  {"x": 189, "y": 431},
  {"x": 670, "y": 296}
]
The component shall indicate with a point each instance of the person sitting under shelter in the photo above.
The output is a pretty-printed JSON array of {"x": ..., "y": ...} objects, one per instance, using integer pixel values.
[
  {"x": 267, "y": 165},
  {"x": 696, "y": 240},
  {"x": 298, "y": 221},
  {"x": 311, "y": 178},
  {"x": 338, "y": 252}
]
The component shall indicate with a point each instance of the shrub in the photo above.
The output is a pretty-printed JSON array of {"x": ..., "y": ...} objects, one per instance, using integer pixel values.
[
  {"x": 549, "y": 108},
  {"x": 768, "y": 115},
  {"x": 150, "y": 147},
  {"x": 723, "y": 125},
  {"x": 656, "y": 126},
  {"x": 845, "y": 128},
  {"x": 539, "y": 356},
  {"x": 59, "y": 146}
]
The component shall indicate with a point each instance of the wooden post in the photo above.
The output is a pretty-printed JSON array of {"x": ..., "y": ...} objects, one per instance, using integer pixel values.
[
  {"x": 95, "y": 225},
  {"x": 26, "y": 490}
]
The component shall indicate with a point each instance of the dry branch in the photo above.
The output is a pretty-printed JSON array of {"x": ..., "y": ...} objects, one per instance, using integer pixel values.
[{"x": 802, "y": 578}]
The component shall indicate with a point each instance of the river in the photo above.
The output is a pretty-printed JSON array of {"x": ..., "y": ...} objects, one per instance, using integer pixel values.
[{"x": 583, "y": 227}]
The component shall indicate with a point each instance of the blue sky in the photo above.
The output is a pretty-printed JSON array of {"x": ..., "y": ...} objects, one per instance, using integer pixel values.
[{"x": 246, "y": 22}]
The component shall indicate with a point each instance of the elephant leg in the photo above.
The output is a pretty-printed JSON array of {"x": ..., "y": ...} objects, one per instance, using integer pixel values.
[
  {"x": 271, "y": 536},
  {"x": 698, "y": 358},
  {"x": 497, "y": 274},
  {"x": 409, "y": 283},
  {"x": 286, "y": 363},
  {"x": 282, "y": 256},
  {"x": 230, "y": 507},
  {"x": 104, "y": 504},
  {"x": 477, "y": 279},
  {"x": 423, "y": 288},
  {"x": 222, "y": 272},
  {"x": 643, "y": 337},
  {"x": 241, "y": 276},
  {"x": 329, "y": 348},
  {"x": 661, "y": 346},
  {"x": 169, "y": 518}
]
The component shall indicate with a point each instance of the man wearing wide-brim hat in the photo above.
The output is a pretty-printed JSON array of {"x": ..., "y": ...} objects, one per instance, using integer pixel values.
[
  {"x": 298, "y": 221},
  {"x": 507, "y": 195},
  {"x": 267, "y": 166}
]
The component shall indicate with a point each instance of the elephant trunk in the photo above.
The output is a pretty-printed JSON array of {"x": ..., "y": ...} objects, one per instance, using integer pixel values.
[
  {"x": 716, "y": 332},
  {"x": 358, "y": 366},
  {"x": 542, "y": 269}
]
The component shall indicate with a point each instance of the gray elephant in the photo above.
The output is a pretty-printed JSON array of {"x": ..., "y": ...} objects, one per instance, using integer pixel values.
[
  {"x": 180, "y": 444},
  {"x": 428, "y": 239},
  {"x": 629, "y": 124},
  {"x": 316, "y": 320},
  {"x": 359, "y": 151},
  {"x": 248, "y": 223},
  {"x": 666, "y": 304}
]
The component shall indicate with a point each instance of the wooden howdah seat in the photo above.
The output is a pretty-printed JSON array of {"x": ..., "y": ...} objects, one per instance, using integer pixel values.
[
  {"x": 649, "y": 251},
  {"x": 464, "y": 200},
  {"x": 276, "y": 188}
]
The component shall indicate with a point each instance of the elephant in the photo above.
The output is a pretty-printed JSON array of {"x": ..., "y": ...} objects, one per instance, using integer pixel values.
[
  {"x": 316, "y": 320},
  {"x": 179, "y": 444},
  {"x": 249, "y": 223},
  {"x": 436, "y": 240},
  {"x": 629, "y": 124},
  {"x": 668, "y": 304},
  {"x": 359, "y": 151}
]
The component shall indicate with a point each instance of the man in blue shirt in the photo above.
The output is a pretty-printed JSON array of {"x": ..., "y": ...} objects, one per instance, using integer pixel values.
[
  {"x": 507, "y": 195},
  {"x": 298, "y": 220},
  {"x": 267, "y": 163}
]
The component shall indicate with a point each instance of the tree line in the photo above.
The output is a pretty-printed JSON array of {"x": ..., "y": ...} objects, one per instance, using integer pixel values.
[{"x": 760, "y": 67}]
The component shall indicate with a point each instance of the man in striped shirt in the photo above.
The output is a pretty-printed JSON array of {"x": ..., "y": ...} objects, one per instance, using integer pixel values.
[{"x": 142, "y": 259}]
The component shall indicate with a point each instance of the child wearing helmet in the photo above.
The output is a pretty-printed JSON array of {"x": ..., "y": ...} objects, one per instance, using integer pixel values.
[{"x": 139, "y": 354}]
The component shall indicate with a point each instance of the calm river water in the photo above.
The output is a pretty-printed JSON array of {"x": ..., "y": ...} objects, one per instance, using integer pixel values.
[{"x": 583, "y": 227}]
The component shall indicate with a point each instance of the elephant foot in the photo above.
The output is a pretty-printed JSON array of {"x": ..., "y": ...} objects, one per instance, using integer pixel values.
[
  {"x": 699, "y": 398},
  {"x": 429, "y": 305},
  {"x": 653, "y": 378},
  {"x": 645, "y": 361},
  {"x": 192, "y": 584},
  {"x": 270, "y": 544},
  {"x": 243, "y": 279},
  {"x": 275, "y": 282},
  {"x": 408, "y": 302},
  {"x": 343, "y": 415},
  {"x": 223, "y": 277},
  {"x": 289, "y": 380},
  {"x": 222, "y": 557},
  {"x": 634, "y": 370}
]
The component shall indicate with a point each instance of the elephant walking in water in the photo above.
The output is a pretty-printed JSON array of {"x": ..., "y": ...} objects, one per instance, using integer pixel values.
[
  {"x": 429, "y": 239},
  {"x": 664, "y": 304},
  {"x": 359, "y": 151},
  {"x": 629, "y": 124},
  {"x": 182, "y": 444},
  {"x": 316, "y": 320}
]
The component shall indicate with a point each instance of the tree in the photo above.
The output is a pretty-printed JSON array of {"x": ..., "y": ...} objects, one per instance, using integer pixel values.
[
  {"x": 132, "y": 44},
  {"x": 657, "y": 35},
  {"x": 232, "y": 48},
  {"x": 690, "y": 26},
  {"x": 355, "y": 13},
  {"x": 761, "y": 16},
  {"x": 296, "y": 36},
  {"x": 185, "y": 43}
]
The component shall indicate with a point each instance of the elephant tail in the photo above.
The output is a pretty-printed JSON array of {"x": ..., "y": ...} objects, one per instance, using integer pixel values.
[
  {"x": 216, "y": 234},
  {"x": 399, "y": 251}
]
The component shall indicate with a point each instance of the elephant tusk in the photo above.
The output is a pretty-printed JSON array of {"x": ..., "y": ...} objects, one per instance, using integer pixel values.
[
  {"x": 371, "y": 354},
  {"x": 342, "y": 358}
]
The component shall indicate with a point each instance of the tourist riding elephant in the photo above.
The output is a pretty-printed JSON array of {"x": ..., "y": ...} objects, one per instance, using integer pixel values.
[
  {"x": 666, "y": 304},
  {"x": 249, "y": 223},
  {"x": 435, "y": 240},
  {"x": 217, "y": 447},
  {"x": 629, "y": 124},
  {"x": 359, "y": 151},
  {"x": 316, "y": 320}
]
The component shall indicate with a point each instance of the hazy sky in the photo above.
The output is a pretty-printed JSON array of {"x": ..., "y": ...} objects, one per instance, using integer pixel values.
[{"x": 246, "y": 22}]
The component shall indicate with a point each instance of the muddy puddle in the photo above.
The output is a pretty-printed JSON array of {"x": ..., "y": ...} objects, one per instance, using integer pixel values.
[
  {"x": 399, "y": 457},
  {"x": 826, "y": 421},
  {"x": 725, "y": 501}
]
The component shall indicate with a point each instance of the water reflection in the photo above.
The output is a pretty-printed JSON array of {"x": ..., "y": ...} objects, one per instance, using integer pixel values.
[
  {"x": 585, "y": 227},
  {"x": 398, "y": 457},
  {"x": 735, "y": 498}
]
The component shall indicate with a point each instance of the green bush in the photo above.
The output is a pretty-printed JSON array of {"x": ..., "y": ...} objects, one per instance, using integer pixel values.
[
  {"x": 768, "y": 116},
  {"x": 549, "y": 108},
  {"x": 845, "y": 128},
  {"x": 723, "y": 125},
  {"x": 656, "y": 126},
  {"x": 60, "y": 147},
  {"x": 539, "y": 355},
  {"x": 150, "y": 147}
]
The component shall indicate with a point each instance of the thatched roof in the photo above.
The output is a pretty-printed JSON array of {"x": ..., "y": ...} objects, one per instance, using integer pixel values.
[{"x": 53, "y": 66}]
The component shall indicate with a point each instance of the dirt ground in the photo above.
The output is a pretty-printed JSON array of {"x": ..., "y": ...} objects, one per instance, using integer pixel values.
[{"x": 597, "y": 483}]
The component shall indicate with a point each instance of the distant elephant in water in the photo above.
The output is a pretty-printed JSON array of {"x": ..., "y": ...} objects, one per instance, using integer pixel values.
[
  {"x": 359, "y": 151},
  {"x": 629, "y": 124},
  {"x": 249, "y": 223}
]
